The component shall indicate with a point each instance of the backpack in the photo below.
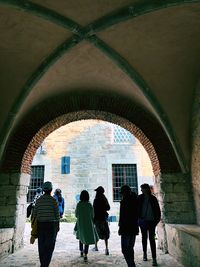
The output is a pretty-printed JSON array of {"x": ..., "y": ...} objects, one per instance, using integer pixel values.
[{"x": 29, "y": 210}]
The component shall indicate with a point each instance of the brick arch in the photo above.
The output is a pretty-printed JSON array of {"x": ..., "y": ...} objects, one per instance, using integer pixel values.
[
  {"x": 83, "y": 101},
  {"x": 85, "y": 115}
]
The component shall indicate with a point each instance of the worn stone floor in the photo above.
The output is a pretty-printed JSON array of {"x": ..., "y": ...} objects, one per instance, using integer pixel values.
[{"x": 66, "y": 252}]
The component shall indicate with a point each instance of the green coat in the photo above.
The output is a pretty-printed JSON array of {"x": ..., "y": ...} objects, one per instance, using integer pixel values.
[{"x": 85, "y": 229}]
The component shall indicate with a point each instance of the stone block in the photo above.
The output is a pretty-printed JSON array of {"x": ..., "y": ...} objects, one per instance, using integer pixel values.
[
  {"x": 25, "y": 179},
  {"x": 8, "y": 210},
  {"x": 184, "y": 243},
  {"x": 7, "y": 190},
  {"x": 15, "y": 178},
  {"x": 4, "y": 179},
  {"x": 176, "y": 197},
  {"x": 6, "y": 234},
  {"x": 7, "y": 222},
  {"x": 5, "y": 248}
]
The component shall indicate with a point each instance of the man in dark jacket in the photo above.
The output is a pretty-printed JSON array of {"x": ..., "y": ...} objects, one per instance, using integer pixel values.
[
  {"x": 128, "y": 224},
  {"x": 149, "y": 216}
]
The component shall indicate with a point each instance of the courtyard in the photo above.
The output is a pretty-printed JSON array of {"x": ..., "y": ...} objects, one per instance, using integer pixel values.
[{"x": 66, "y": 253}]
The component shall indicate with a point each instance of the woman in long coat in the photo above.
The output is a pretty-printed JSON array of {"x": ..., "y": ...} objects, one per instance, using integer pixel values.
[{"x": 85, "y": 230}]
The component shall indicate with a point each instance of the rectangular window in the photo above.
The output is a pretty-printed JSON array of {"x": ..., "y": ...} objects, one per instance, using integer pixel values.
[
  {"x": 124, "y": 174},
  {"x": 37, "y": 180},
  {"x": 65, "y": 165}
]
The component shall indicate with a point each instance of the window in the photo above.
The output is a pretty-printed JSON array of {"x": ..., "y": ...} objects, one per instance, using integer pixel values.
[
  {"x": 122, "y": 136},
  {"x": 37, "y": 180},
  {"x": 124, "y": 174},
  {"x": 65, "y": 165}
]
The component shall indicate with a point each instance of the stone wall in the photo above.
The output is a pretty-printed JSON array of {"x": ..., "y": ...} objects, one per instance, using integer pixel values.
[
  {"x": 174, "y": 192},
  {"x": 6, "y": 241},
  {"x": 13, "y": 191},
  {"x": 90, "y": 145},
  {"x": 184, "y": 243},
  {"x": 176, "y": 198}
]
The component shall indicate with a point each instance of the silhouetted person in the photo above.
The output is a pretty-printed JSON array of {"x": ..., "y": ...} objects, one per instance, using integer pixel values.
[
  {"x": 47, "y": 214},
  {"x": 128, "y": 224},
  {"x": 85, "y": 230},
  {"x": 101, "y": 206},
  {"x": 60, "y": 200},
  {"x": 149, "y": 217}
]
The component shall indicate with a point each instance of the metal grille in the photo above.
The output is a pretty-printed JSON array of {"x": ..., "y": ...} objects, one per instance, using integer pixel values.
[
  {"x": 122, "y": 136},
  {"x": 37, "y": 180},
  {"x": 124, "y": 174}
]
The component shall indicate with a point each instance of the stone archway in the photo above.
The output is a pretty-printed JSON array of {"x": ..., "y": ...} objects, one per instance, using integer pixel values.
[
  {"x": 84, "y": 115},
  {"x": 19, "y": 180},
  {"x": 16, "y": 175},
  {"x": 97, "y": 115}
]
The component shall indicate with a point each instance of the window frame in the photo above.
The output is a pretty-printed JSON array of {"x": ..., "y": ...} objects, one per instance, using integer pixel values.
[
  {"x": 125, "y": 179},
  {"x": 65, "y": 165},
  {"x": 33, "y": 185},
  {"x": 119, "y": 128}
]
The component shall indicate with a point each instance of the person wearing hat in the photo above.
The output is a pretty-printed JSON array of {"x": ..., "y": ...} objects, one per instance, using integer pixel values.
[
  {"x": 149, "y": 216},
  {"x": 128, "y": 224},
  {"x": 46, "y": 213},
  {"x": 60, "y": 200},
  {"x": 101, "y": 206}
]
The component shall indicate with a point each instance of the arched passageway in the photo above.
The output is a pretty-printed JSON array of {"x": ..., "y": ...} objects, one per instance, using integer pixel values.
[
  {"x": 168, "y": 178},
  {"x": 137, "y": 60},
  {"x": 66, "y": 253}
]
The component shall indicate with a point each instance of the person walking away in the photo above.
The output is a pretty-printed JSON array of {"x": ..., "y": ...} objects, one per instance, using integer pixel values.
[
  {"x": 85, "y": 230},
  {"x": 46, "y": 213},
  {"x": 149, "y": 216},
  {"x": 128, "y": 224},
  {"x": 60, "y": 200},
  {"x": 101, "y": 206}
]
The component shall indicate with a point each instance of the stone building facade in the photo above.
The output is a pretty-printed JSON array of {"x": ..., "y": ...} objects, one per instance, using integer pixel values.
[{"x": 99, "y": 153}]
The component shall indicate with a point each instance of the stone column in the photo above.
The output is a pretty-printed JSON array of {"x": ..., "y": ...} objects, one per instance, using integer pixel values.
[
  {"x": 22, "y": 182},
  {"x": 175, "y": 195},
  {"x": 13, "y": 191}
]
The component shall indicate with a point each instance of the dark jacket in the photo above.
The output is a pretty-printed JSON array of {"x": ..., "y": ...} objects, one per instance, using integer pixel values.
[
  {"x": 154, "y": 204},
  {"x": 101, "y": 206},
  {"x": 128, "y": 219}
]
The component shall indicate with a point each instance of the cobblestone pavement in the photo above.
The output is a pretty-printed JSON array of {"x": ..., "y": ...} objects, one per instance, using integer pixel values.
[{"x": 66, "y": 252}]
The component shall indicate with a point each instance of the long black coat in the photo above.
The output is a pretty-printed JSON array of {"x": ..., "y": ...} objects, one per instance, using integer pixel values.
[
  {"x": 101, "y": 206},
  {"x": 128, "y": 219}
]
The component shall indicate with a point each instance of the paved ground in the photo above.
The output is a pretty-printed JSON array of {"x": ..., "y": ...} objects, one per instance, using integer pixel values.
[{"x": 67, "y": 254}]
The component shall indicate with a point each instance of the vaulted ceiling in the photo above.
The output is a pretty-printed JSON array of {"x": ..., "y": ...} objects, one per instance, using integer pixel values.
[{"x": 145, "y": 51}]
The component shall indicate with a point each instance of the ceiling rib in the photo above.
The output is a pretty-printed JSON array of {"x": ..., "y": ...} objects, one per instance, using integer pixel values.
[
  {"x": 87, "y": 33},
  {"x": 131, "y": 12},
  {"x": 137, "y": 79},
  {"x": 43, "y": 12}
]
